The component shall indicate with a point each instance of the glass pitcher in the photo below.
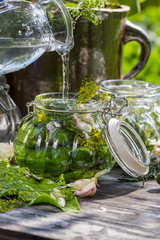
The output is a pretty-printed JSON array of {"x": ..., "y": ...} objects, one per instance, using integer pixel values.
[
  {"x": 77, "y": 140},
  {"x": 29, "y": 29}
]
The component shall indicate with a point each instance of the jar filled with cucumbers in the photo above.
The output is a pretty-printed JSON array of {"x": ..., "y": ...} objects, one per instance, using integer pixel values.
[{"x": 79, "y": 140}]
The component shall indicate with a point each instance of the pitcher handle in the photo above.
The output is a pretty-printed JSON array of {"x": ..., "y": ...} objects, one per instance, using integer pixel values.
[{"x": 135, "y": 33}]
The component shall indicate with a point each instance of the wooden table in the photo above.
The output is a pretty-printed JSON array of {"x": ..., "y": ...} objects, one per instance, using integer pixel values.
[{"x": 119, "y": 210}]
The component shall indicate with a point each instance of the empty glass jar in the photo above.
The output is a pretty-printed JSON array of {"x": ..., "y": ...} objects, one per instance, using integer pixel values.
[
  {"x": 9, "y": 114},
  {"x": 77, "y": 140},
  {"x": 143, "y": 113}
]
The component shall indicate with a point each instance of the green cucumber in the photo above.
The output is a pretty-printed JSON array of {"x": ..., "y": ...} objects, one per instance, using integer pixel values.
[{"x": 82, "y": 159}]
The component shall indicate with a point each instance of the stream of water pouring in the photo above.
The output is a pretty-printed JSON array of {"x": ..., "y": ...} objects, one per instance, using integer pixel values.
[{"x": 65, "y": 71}]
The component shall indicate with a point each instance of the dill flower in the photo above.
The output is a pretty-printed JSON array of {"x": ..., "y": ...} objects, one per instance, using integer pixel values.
[
  {"x": 87, "y": 91},
  {"x": 41, "y": 117},
  {"x": 104, "y": 97}
]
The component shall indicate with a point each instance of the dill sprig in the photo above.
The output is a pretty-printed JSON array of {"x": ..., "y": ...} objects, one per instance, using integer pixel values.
[
  {"x": 9, "y": 204},
  {"x": 86, "y": 8},
  {"x": 88, "y": 90}
]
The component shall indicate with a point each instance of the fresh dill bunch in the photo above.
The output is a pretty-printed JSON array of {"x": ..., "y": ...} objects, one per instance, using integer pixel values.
[
  {"x": 11, "y": 179},
  {"x": 86, "y": 8},
  {"x": 88, "y": 90},
  {"x": 9, "y": 204}
]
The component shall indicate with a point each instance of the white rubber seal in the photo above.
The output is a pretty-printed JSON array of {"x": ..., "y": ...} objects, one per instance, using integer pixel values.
[{"x": 126, "y": 157}]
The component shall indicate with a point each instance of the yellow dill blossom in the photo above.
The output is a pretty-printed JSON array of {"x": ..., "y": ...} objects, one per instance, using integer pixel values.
[
  {"x": 87, "y": 91},
  {"x": 39, "y": 97},
  {"x": 10, "y": 176},
  {"x": 130, "y": 100},
  {"x": 104, "y": 97},
  {"x": 8, "y": 205},
  {"x": 139, "y": 110},
  {"x": 121, "y": 118},
  {"x": 24, "y": 195},
  {"x": 95, "y": 139},
  {"x": 46, "y": 99},
  {"x": 41, "y": 117}
]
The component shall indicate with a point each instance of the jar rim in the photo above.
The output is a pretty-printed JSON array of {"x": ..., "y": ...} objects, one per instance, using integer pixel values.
[
  {"x": 53, "y": 102},
  {"x": 130, "y": 88}
]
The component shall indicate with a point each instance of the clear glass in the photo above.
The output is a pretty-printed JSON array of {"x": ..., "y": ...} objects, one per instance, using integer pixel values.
[
  {"x": 29, "y": 29},
  {"x": 9, "y": 114},
  {"x": 63, "y": 137},
  {"x": 127, "y": 148},
  {"x": 143, "y": 113}
]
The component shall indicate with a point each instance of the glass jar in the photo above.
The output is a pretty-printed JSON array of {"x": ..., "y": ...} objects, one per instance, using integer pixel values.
[
  {"x": 77, "y": 140},
  {"x": 9, "y": 114},
  {"x": 143, "y": 112}
]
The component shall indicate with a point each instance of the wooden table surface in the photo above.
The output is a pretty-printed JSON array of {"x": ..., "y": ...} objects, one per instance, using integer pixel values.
[{"x": 119, "y": 210}]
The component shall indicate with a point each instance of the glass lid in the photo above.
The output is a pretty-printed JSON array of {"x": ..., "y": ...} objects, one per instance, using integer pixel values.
[
  {"x": 127, "y": 148},
  {"x": 130, "y": 88}
]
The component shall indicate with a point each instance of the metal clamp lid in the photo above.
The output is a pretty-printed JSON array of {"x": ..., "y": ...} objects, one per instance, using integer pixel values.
[{"x": 127, "y": 148}]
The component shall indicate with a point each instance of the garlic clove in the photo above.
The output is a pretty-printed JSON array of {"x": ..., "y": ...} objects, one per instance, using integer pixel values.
[
  {"x": 85, "y": 187},
  {"x": 87, "y": 191},
  {"x": 82, "y": 125},
  {"x": 61, "y": 202},
  {"x": 79, "y": 184}
]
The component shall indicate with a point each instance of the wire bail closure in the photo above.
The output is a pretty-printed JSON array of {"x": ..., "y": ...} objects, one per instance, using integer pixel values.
[
  {"x": 29, "y": 105},
  {"x": 28, "y": 116},
  {"x": 5, "y": 89},
  {"x": 109, "y": 110}
]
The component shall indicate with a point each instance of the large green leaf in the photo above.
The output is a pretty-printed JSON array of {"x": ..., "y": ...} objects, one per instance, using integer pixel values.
[
  {"x": 41, "y": 195},
  {"x": 15, "y": 183}
]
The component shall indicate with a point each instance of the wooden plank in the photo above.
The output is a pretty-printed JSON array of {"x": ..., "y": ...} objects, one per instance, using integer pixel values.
[{"x": 119, "y": 210}]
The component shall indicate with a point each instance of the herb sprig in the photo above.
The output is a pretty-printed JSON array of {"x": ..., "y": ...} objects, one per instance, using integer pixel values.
[
  {"x": 90, "y": 91},
  {"x": 86, "y": 8}
]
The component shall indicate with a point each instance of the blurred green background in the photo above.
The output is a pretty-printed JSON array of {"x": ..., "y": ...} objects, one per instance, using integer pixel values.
[{"x": 149, "y": 20}]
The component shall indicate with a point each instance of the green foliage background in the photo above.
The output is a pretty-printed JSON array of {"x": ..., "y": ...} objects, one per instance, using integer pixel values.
[{"x": 149, "y": 20}]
